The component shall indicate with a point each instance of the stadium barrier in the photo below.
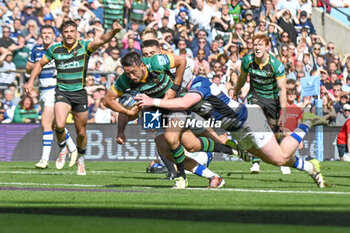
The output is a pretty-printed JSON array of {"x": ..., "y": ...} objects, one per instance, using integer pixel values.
[{"x": 22, "y": 142}]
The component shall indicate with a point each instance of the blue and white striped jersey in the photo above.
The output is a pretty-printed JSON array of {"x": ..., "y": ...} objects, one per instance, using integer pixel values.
[
  {"x": 217, "y": 105},
  {"x": 47, "y": 77}
]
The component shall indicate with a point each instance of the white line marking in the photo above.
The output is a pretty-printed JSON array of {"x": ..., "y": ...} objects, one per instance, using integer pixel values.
[
  {"x": 205, "y": 189},
  {"x": 58, "y": 172},
  {"x": 44, "y": 184},
  {"x": 43, "y": 172}
]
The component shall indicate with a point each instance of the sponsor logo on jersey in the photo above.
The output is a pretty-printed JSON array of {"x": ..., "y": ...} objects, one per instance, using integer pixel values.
[{"x": 69, "y": 65}]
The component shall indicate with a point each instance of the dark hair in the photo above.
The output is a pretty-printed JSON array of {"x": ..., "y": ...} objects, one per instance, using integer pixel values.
[
  {"x": 150, "y": 43},
  {"x": 131, "y": 59},
  {"x": 47, "y": 26},
  {"x": 68, "y": 23},
  {"x": 291, "y": 91},
  {"x": 26, "y": 97}
]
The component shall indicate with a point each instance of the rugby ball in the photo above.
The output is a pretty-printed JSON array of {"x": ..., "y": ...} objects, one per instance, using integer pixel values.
[{"x": 127, "y": 99}]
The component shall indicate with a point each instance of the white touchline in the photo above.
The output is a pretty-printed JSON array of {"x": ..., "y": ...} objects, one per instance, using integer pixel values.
[
  {"x": 44, "y": 184},
  {"x": 56, "y": 172},
  {"x": 148, "y": 187}
]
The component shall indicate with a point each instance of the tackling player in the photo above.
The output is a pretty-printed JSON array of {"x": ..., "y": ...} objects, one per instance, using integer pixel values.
[{"x": 248, "y": 126}]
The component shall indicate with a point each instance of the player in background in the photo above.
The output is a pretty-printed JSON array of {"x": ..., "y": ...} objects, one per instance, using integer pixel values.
[
  {"x": 71, "y": 58},
  {"x": 47, "y": 85},
  {"x": 267, "y": 86}
]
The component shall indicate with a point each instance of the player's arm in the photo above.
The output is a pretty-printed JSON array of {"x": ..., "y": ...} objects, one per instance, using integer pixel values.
[
  {"x": 181, "y": 103},
  {"x": 29, "y": 67},
  {"x": 282, "y": 86},
  {"x": 180, "y": 64},
  {"x": 106, "y": 37},
  {"x": 36, "y": 70},
  {"x": 110, "y": 101},
  {"x": 242, "y": 79}
]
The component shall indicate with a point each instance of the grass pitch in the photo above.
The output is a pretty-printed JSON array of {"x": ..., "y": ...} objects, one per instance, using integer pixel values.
[{"x": 122, "y": 197}]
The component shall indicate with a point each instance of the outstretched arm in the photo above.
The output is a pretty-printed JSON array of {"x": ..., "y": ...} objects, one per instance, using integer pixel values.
[
  {"x": 182, "y": 103},
  {"x": 98, "y": 42}
]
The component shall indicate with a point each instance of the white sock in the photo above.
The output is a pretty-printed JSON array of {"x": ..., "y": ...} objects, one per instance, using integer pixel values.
[
  {"x": 70, "y": 143},
  {"x": 81, "y": 158},
  {"x": 303, "y": 165},
  {"x": 47, "y": 144},
  {"x": 203, "y": 171},
  {"x": 301, "y": 133}
]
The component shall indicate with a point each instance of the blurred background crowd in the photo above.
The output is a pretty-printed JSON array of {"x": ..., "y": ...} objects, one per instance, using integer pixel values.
[{"x": 214, "y": 34}]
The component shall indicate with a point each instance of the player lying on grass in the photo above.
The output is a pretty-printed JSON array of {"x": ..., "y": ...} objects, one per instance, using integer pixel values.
[
  {"x": 147, "y": 75},
  {"x": 247, "y": 125}
]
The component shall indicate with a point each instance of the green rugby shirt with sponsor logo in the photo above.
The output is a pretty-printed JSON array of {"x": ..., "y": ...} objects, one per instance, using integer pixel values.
[
  {"x": 263, "y": 77},
  {"x": 156, "y": 81},
  {"x": 71, "y": 64}
]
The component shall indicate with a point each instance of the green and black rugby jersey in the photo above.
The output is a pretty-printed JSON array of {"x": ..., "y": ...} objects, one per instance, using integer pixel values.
[
  {"x": 156, "y": 81},
  {"x": 71, "y": 64},
  {"x": 263, "y": 77}
]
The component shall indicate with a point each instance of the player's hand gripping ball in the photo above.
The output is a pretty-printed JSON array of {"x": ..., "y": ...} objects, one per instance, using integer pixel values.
[{"x": 128, "y": 98}]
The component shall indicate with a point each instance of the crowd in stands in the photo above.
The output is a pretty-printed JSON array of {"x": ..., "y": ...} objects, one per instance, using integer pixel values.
[{"x": 215, "y": 34}]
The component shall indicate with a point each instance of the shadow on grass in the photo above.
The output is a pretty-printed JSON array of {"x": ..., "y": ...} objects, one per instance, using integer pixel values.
[{"x": 256, "y": 217}]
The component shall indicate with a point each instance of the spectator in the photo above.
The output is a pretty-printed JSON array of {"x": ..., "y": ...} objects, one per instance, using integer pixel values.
[
  {"x": 97, "y": 9},
  {"x": 112, "y": 61},
  {"x": 293, "y": 6},
  {"x": 9, "y": 105},
  {"x": 5, "y": 41},
  {"x": 201, "y": 35},
  {"x": 130, "y": 47},
  {"x": 17, "y": 30},
  {"x": 137, "y": 11},
  {"x": 268, "y": 13},
  {"x": 27, "y": 15},
  {"x": 337, "y": 93},
  {"x": 328, "y": 110},
  {"x": 304, "y": 23},
  {"x": 6, "y": 64},
  {"x": 181, "y": 44},
  {"x": 25, "y": 111},
  {"x": 21, "y": 54},
  {"x": 201, "y": 61},
  {"x": 341, "y": 118},
  {"x": 343, "y": 135},
  {"x": 197, "y": 14},
  {"x": 285, "y": 21},
  {"x": 235, "y": 10},
  {"x": 293, "y": 113},
  {"x": 330, "y": 54},
  {"x": 31, "y": 32},
  {"x": 183, "y": 17},
  {"x": 248, "y": 19},
  {"x": 104, "y": 115},
  {"x": 217, "y": 81},
  {"x": 223, "y": 23},
  {"x": 346, "y": 85}
]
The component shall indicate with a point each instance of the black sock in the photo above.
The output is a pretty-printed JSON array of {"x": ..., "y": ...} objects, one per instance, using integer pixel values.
[
  {"x": 208, "y": 145},
  {"x": 168, "y": 164},
  {"x": 181, "y": 169},
  {"x": 179, "y": 157}
]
